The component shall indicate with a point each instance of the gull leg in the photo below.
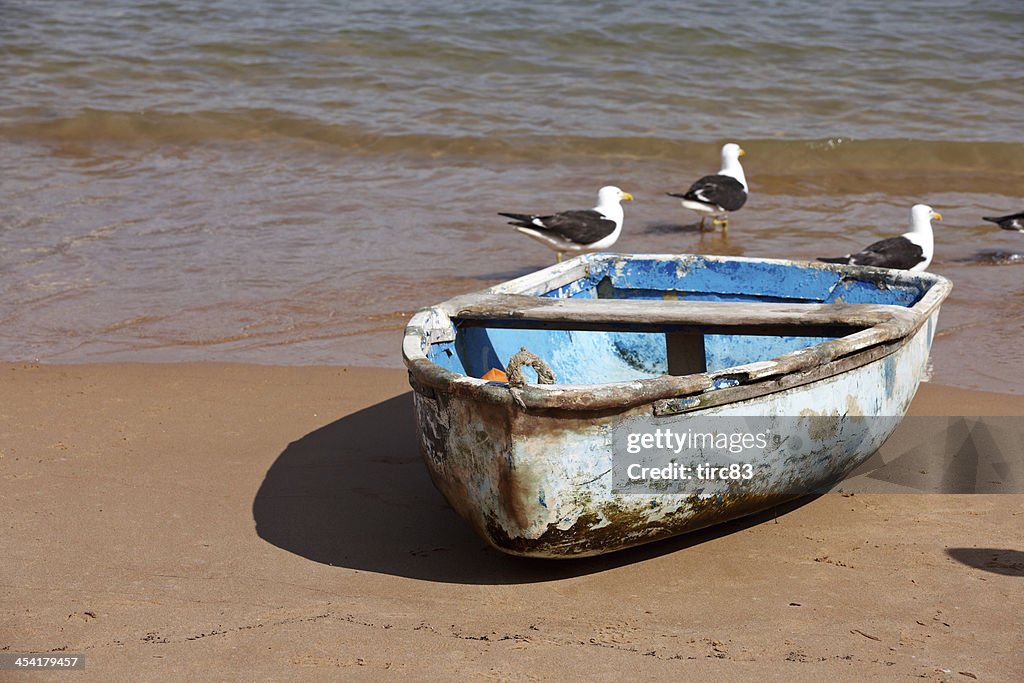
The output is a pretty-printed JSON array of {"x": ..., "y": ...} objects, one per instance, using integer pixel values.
[
  {"x": 559, "y": 257},
  {"x": 702, "y": 219}
]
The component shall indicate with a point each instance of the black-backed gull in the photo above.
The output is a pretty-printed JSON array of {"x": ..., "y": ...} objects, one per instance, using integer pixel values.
[
  {"x": 912, "y": 250},
  {"x": 717, "y": 195},
  {"x": 1014, "y": 221},
  {"x": 577, "y": 231}
]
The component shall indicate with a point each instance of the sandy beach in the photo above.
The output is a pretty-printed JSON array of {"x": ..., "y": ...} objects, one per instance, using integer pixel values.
[{"x": 253, "y": 522}]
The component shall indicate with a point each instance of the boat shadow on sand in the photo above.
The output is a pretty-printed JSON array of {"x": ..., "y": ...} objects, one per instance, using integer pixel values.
[
  {"x": 355, "y": 494},
  {"x": 994, "y": 560}
]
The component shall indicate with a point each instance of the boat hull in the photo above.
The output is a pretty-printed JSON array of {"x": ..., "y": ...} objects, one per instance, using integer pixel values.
[
  {"x": 540, "y": 479},
  {"x": 540, "y": 485}
]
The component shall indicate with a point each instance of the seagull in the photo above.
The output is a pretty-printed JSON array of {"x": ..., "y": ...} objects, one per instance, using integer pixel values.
[
  {"x": 577, "y": 231},
  {"x": 910, "y": 251},
  {"x": 718, "y": 194},
  {"x": 1012, "y": 222}
]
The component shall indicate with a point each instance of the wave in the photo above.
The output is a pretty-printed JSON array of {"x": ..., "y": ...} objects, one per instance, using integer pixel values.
[{"x": 878, "y": 160}]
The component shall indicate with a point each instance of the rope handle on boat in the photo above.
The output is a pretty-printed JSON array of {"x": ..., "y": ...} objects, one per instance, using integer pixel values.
[{"x": 514, "y": 369}]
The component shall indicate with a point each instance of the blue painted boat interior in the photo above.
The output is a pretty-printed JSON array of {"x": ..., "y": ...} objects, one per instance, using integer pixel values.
[{"x": 589, "y": 357}]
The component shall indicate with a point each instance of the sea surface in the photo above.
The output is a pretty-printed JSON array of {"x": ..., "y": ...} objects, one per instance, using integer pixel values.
[{"x": 286, "y": 183}]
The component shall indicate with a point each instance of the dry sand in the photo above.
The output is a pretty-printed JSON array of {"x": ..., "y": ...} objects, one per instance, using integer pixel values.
[{"x": 242, "y": 522}]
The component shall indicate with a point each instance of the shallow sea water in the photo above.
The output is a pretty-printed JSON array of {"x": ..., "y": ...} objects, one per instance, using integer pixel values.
[{"x": 206, "y": 181}]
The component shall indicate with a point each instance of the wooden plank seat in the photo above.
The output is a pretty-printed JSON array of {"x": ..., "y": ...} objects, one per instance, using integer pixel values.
[{"x": 674, "y": 316}]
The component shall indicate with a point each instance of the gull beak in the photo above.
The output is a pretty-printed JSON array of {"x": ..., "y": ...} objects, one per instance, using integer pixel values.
[
  {"x": 742, "y": 153},
  {"x": 936, "y": 216},
  {"x": 627, "y": 197}
]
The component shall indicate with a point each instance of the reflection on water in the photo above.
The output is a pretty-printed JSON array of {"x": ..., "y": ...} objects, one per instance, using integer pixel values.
[{"x": 995, "y": 257}]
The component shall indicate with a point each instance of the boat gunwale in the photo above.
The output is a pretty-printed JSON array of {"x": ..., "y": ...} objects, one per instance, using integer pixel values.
[{"x": 432, "y": 324}]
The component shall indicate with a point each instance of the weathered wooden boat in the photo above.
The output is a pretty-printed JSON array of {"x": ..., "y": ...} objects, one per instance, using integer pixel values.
[{"x": 639, "y": 342}]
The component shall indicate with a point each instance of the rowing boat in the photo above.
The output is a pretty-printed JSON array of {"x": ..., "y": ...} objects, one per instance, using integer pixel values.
[{"x": 822, "y": 360}]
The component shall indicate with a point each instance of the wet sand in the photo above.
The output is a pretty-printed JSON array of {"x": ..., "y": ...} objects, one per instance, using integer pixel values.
[{"x": 239, "y": 521}]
